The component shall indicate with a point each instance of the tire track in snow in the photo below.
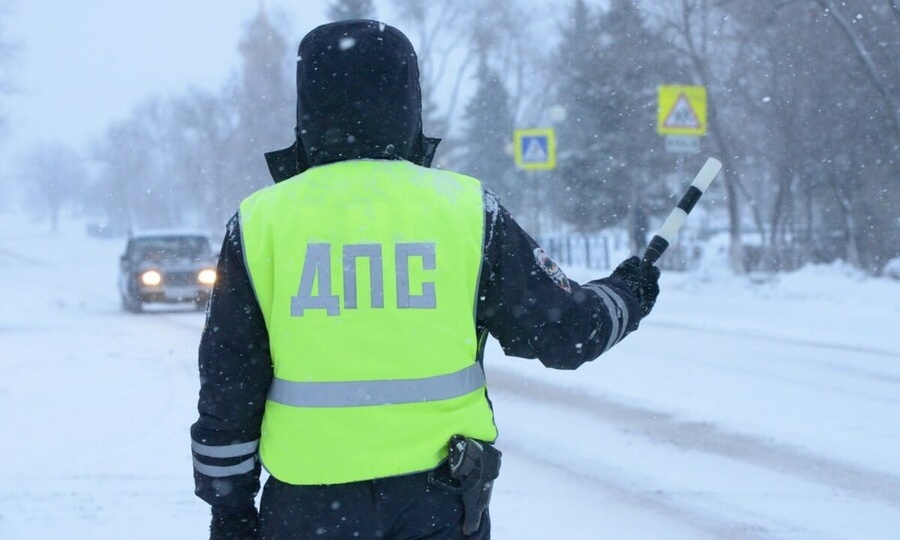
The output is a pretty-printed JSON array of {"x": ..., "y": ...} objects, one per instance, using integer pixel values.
[
  {"x": 885, "y": 375},
  {"x": 663, "y": 428},
  {"x": 856, "y": 349},
  {"x": 657, "y": 502},
  {"x": 10, "y": 255}
]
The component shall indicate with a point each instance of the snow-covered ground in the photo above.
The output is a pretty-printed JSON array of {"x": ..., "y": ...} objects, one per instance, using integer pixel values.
[{"x": 738, "y": 411}]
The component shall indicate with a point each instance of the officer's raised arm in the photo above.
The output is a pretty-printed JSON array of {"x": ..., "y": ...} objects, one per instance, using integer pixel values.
[{"x": 535, "y": 311}]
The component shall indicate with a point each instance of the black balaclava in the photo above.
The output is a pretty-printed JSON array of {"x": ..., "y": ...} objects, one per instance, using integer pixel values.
[{"x": 358, "y": 96}]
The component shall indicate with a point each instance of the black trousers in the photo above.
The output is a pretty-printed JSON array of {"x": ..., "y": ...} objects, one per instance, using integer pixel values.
[{"x": 402, "y": 507}]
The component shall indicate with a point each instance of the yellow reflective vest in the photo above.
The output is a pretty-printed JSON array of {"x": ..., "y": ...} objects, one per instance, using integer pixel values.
[{"x": 367, "y": 272}]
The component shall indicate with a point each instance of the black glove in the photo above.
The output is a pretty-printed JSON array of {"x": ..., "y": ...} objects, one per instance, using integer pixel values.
[
  {"x": 234, "y": 523},
  {"x": 642, "y": 281}
]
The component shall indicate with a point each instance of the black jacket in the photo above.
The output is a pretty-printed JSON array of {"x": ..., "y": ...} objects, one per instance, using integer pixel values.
[{"x": 524, "y": 301}]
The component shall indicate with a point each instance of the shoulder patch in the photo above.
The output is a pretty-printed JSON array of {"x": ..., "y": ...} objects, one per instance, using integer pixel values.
[{"x": 552, "y": 269}]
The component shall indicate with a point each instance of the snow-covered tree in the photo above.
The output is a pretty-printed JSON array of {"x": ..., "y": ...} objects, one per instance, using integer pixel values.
[
  {"x": 487, "y": 134},
  {"x": 610, "y": 65},
  {"x": 579, "y": 93}
]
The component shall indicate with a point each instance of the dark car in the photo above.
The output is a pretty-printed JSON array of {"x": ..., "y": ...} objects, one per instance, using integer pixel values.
[{"x": 166, "y": 267}]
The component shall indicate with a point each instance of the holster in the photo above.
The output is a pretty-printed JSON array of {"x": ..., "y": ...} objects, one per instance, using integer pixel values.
[{"x": 475, "y": 464}]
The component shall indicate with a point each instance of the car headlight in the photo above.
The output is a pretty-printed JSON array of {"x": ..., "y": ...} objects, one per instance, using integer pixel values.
[
  {"x": 151, "y": 278},
  {"x": 207, "y": 276}
]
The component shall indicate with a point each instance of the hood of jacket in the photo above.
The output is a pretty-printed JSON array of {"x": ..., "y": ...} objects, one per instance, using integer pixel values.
[{"x": 358, "y": 96}]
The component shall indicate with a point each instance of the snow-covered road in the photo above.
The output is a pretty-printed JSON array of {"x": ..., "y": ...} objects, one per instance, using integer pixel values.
[{"x": 737, "y": 411}]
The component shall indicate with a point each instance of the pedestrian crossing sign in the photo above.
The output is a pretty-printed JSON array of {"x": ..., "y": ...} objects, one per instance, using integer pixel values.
[
  {"x": 681, "y": 110},
  {"x": 535, "y": 149}
]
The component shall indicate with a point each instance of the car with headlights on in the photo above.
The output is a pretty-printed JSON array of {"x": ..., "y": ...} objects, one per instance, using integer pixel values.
[{"x": 166, "y": 267}]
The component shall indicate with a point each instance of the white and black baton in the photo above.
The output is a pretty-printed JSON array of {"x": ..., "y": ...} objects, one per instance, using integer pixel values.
[{"x": 669, "y": 229}]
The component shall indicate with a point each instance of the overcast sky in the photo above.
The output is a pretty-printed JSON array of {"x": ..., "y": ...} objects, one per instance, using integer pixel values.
[{"x": 83, "y": 65}]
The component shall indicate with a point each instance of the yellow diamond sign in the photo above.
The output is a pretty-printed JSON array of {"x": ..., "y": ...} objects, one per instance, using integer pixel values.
[{"x": 681, "y": 110}]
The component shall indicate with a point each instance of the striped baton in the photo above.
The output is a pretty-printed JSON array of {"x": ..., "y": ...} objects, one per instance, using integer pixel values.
[{"x": 669, "y": 229}]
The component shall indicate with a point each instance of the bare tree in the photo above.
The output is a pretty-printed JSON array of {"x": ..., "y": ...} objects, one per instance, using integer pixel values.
[
  {"x": 877, "y": 74},
  {"x": 700, "y": 30},
  {"x": 445, "y": 60},
  {"x": 9, "y": 52},
  {"x": 880, "y": 76},
  {"x": 189, "y": 160},
  {"x": 54, "y": 176},
  {"x": 816, "y": 130},
  {"x": 204, "y": 128},
  {"x": 450, "y": 37},
  {"x": 132, "y": 189}
]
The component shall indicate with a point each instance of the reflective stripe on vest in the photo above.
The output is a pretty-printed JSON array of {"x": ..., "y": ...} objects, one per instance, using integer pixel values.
[
  {"x": 364, "y": 393},
  {"x": 367, "y": 274}
]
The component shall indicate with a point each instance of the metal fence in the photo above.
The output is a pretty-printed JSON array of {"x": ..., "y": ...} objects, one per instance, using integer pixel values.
[
  {"x": 589, "y": 251},
  {"x": 605, "y": 250}
]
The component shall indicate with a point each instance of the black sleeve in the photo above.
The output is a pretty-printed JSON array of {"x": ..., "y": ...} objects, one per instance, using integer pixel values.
[
  {"x": 235, "y": 375},
  {"x": 529, "y": 305}
]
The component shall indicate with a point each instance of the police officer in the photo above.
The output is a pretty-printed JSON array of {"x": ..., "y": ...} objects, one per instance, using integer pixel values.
[{"x": 343, "y": 344}]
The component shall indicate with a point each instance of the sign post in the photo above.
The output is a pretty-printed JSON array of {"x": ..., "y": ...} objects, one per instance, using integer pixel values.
[
  {"x": 534, "y": 150},
  {"x": 682, "y": 144}
]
